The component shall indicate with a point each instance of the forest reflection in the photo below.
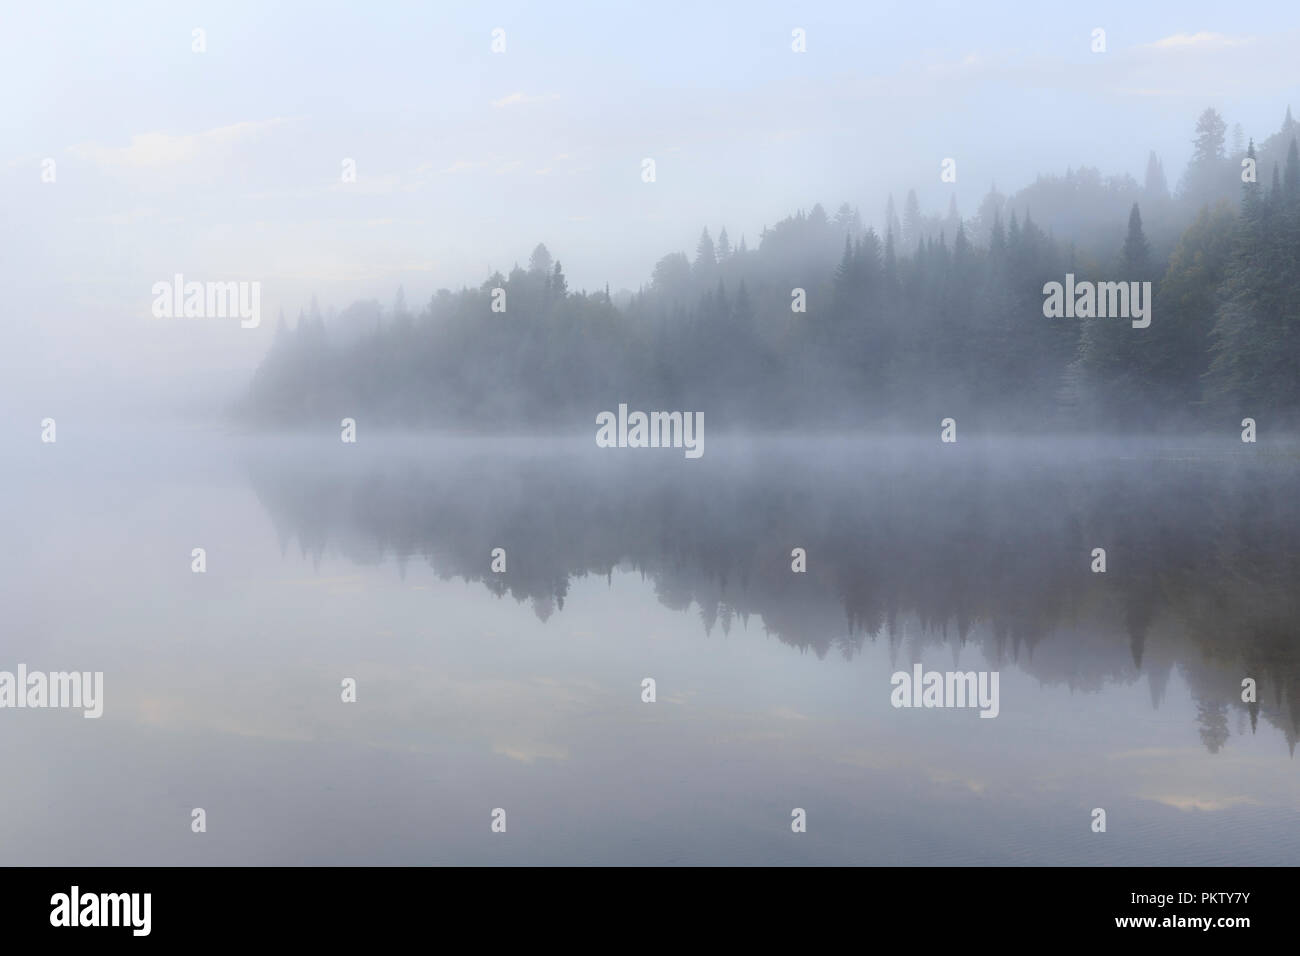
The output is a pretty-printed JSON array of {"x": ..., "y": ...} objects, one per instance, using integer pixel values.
[{"x": 943, "y": 549}]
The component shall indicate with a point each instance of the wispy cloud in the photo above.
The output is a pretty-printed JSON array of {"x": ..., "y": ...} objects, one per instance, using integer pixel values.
[
  {"x": 1199, "y": 41},
  {"x": 519, "y": 99},
  {"x": 156, "y": 149}
]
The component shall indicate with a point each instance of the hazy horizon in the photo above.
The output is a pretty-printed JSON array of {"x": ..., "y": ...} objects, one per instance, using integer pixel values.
[{"x": 225, "y": 164}]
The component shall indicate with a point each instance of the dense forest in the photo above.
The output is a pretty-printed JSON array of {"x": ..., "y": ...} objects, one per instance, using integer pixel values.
[{"x": 924, "y": 317}]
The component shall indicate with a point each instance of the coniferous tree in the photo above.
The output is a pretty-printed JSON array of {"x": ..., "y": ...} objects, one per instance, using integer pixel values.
[
  {"x": 1255, "y": 367},
  {"x": 951, "y": 221},
  {"x": 539, "y": 263},
  {"x": 1291, "y": 178},
  {"x": 1251, "y": 202},
  {"x": 1155, "y": 186},
  {"x": 1109, "y": 350},
  {"x": 990, "y": 210},
  {"x": 1135, "y": 255},
  {"x": 848, "y": 221},
  {"x": 912, "y": 233},
  {"x": 705, "y": 256},
  {"x": 724, "y": 246},
  {"x": 893, "y": 225},
  {"x": 1206, "y": 169},
  {"x": 1172, "y": 355}
]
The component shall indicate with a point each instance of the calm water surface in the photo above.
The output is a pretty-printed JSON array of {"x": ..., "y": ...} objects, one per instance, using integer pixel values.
[{"x": 522, "y": 690}]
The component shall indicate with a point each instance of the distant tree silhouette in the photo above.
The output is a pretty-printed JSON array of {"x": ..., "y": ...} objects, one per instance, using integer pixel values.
[{"x": 936, "y": 317}]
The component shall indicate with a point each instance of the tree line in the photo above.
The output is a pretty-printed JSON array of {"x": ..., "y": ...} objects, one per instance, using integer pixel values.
[{"x": 929, "y": 316}]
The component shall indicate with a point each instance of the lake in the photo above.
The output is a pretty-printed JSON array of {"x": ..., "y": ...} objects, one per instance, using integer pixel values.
[{"x": 522, "y": 690}]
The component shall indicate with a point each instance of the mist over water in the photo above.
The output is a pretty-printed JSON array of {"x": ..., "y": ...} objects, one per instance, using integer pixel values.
[
  {"x": 966, "y": 344},
  {"x": 522, "y": 689}
]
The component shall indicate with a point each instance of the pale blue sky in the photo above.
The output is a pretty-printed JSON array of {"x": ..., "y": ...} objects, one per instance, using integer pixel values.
[{"x": 226, "y": 164}]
